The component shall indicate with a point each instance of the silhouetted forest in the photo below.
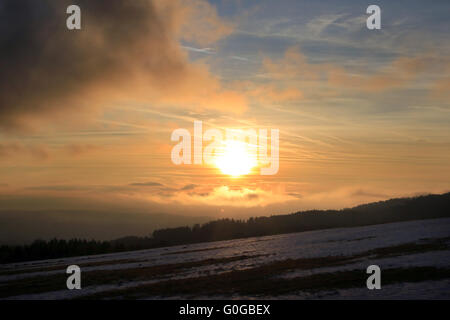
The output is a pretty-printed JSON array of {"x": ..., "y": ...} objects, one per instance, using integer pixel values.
[{"x": 394, "y": 210}]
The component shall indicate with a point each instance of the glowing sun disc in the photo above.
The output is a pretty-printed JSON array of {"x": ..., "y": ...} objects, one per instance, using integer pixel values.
[{"x": 235, "y": 160}]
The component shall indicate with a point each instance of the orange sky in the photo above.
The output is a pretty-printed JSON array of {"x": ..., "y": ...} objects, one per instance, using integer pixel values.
[{"x": 363, "y": 115}]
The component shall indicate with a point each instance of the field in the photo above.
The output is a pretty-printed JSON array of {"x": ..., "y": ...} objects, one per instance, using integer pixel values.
[{"x": 414, "y": 258}]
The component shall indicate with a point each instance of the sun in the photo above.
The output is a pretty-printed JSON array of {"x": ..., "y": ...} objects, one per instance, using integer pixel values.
[{"x": 236, "y": 159}]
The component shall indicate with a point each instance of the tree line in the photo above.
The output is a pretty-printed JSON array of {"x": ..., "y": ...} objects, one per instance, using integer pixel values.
[{"x": 394, "y": 210}]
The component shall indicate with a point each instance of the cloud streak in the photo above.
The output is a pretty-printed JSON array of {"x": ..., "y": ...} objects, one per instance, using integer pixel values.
[{"x": 11, "y": 150}]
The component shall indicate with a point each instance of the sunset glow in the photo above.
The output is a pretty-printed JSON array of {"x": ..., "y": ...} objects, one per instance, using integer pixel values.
[{"x": 217, "y": 109}]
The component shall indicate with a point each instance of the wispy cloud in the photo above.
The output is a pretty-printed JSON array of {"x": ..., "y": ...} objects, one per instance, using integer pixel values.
[{"x": 200, "y": 50}]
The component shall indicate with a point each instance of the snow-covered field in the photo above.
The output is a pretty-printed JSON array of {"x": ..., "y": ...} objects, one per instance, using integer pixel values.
[{"x": 121, "y": 273}]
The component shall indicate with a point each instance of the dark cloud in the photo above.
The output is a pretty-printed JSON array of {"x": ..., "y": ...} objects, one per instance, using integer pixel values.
[
  {"x": 43, "y": 63},
  {"x": 124, "y": 50},
  {"x": 189, "y": 187},
  {"x": 364, "y": 193},
  {"x": 59, "y": 188},
  {"x": 252, "y": 196},
  {"x": 295, "y": 194},
  {"x": 146, "y": 184}
]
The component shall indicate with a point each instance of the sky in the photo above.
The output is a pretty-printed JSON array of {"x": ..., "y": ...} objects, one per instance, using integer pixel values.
[{"x": 86, "y": 116}]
